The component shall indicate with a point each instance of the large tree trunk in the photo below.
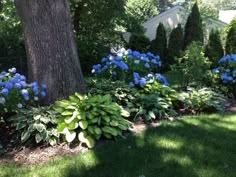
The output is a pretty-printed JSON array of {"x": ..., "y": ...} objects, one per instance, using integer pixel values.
[{"x": 50, "y": 45}]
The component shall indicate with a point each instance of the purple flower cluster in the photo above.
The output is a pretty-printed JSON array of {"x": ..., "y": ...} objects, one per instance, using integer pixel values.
[
  {"x": 227, "y": 69},
  {"x": 130, "y": 65},
  {"x": 12, "y": 82}
]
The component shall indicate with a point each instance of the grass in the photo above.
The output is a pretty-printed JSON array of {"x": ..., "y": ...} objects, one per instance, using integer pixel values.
[{"x": 198, "y": 146}]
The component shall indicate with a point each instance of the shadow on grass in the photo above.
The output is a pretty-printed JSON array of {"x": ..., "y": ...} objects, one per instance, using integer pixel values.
[
  {"x": 204, "y": 146},
  {"x": 183, "y": 149}
]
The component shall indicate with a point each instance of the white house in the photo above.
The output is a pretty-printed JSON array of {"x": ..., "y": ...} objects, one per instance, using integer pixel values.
[
  {"x": 227, "y": 15},
  {"x": 172, "y": 17}
]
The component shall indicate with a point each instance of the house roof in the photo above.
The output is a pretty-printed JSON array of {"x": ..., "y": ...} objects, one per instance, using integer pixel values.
[
  {"x": 163, "y": 14},
  {"x": 179, "y": 7}
]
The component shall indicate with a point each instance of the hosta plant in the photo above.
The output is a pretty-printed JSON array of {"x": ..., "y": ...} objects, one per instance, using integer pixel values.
[
  {"x": 151, "y": 106},
  {"x": 204, "y": 99},
  {"x": 37, "y": 124},
  {"x": 89, "y": 118},
  {"x": 120, "y": 92}
]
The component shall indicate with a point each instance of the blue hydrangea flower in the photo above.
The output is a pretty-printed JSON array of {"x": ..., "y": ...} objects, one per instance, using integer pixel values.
[
  {"x": 12, "y": 70},
  {"x": 43, "y": 94},
  {"x": 5, "y": 91},
  {"x": 8, "y": 85},
  {"x": 24, "y": 93},
  {"x": 17, "y": 85},
  {"x": 147, "y": 65}
]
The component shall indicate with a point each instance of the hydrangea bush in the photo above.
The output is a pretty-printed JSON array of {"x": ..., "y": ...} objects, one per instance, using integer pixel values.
[
  {"x": 133, "y": 67},
  {"x": 227, "y": 71},
  {"x": 15, "y": 92}
]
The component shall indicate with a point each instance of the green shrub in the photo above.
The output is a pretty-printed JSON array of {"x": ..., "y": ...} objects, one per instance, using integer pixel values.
[
  {"x": 159, "y": 44},
  {"x": 89, "y": 118},
  {"x": 120, "y": 92},
  {"x": 151, "y": 106},
  {"x": 193, "y": 66},
  {"x": 153, "y": 101},
  {"x": 139, "y": 42},
  {"x": 175, "y": 45},
  {"x": 214, "y": 49},
  {"x": 38, "y": 123},
  {"x": 231, "y": 38},
  {"x": 193, "y": 28},
  {"x": 200, "y": 100}
]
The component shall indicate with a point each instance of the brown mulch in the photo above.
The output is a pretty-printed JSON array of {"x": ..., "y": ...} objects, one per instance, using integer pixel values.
[
  {"x": 232, "y": 106},
  {"x": 31, "y": 156},
  {"x": 41, "y": 154}
]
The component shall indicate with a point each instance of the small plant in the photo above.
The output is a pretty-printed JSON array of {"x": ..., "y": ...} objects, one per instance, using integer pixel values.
[
  {"x": 15, "y": 92},
  {"x": 89, "y": 118},
  {"x": 151, "y": 107},
  {"x": 36, "y": 123},
  {"x": 200, "y": 100},
  {"x": 120, "y": 92},
  {"x": 193, "y": 66}
]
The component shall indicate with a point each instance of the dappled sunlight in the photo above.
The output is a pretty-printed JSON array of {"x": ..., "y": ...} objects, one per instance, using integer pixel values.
[
  {"x": 89, "y": 159},
  {"x": 169, "y": 143},
  {"x": 190, "y": 147},
  {"x": 180, "y": 159}
]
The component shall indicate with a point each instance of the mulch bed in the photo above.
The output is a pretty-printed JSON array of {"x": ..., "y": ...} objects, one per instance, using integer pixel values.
[{"x": 42, "y": 153}]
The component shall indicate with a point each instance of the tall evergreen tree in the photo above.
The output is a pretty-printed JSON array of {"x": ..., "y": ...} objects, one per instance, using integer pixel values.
[
  {"x": 214, "y": 49},
  {"x": 175, "y": 44},
  {"x": 231, "y": 38},
  {"x": 193, "y": 27},
  {"x": 159, "y": 44}
]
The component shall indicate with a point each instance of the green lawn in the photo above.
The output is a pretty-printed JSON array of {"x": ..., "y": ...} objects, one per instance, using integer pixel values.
[{"x": 200, "y": 146}]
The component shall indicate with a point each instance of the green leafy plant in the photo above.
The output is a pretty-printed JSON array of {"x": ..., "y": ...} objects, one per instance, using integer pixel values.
[
  {"x": 89, "y": 118},
  {"x": 194, "y": 67},
  {"x": 38, "y": 123},
  {"x": 120, "y": 92},
  {"x": 152, "y": 106},
  {"x": 200, "y": 100}
]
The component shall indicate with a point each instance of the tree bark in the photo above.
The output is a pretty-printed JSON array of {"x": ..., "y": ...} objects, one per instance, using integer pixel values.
[{"x": 50, "y": 45}]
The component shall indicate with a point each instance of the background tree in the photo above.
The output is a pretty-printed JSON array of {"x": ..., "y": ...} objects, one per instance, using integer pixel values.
[
  {"x": 193, "y": 28},
  {"x": 139, "y": 42},
  {"x": 214, "y": 49},
  {"x": 231, "y": 38},
  {"x": 159, "y": 44},
  {"x": 98, "y": 26},
  {"x": 175, "y": 44},
  {"x": 12, "y": 51},
  {"x": 51, "y": 50},
  {"x": 137, "y": 12},
  {"x": 162, "y": 5}
]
